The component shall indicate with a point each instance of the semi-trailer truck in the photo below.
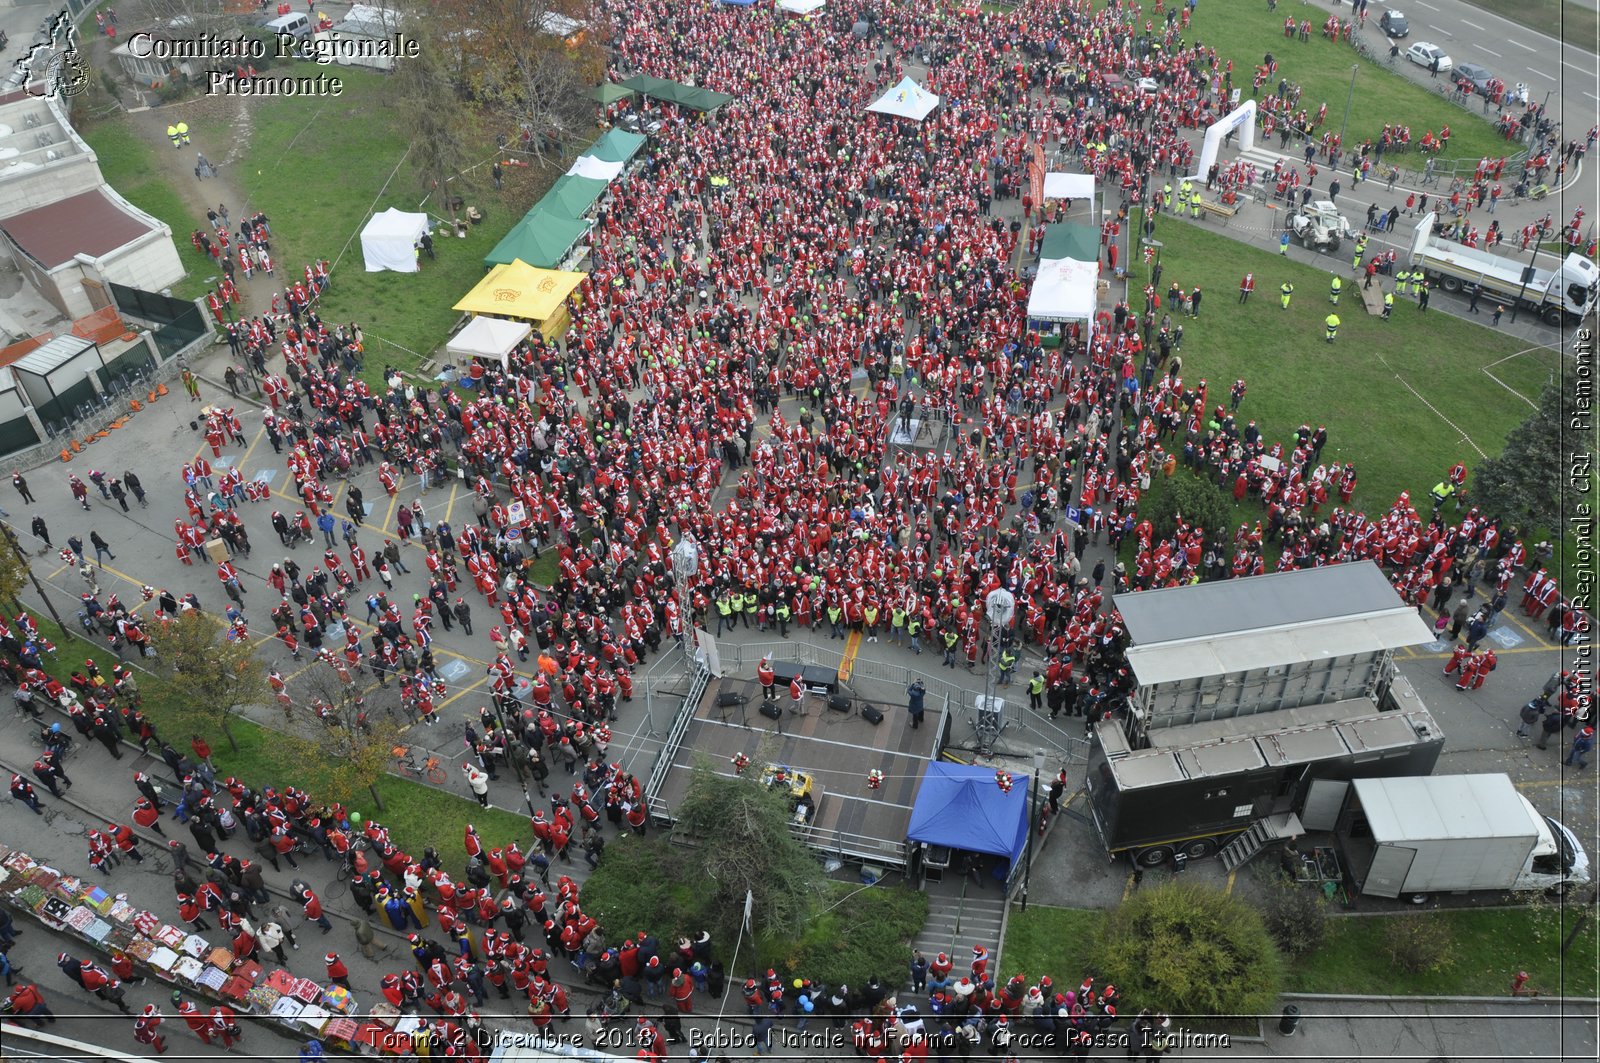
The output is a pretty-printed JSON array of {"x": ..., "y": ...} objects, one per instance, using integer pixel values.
[{"x": 1559, "y": 290}]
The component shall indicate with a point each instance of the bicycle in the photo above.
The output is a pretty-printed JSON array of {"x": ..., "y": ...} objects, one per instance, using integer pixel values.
[{"x": 407, "y": 763}]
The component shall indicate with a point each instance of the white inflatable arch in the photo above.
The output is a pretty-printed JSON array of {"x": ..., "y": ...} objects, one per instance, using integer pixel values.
[{"x": 1241, "y": 120}]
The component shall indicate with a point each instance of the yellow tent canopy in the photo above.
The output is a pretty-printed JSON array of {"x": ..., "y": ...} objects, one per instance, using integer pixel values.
[{"x": 526, "y": 293}]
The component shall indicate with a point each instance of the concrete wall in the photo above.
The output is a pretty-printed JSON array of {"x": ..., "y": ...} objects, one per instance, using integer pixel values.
[{"x": 150, "y": 262}]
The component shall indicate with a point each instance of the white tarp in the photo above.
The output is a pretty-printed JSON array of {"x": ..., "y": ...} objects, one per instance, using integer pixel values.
[
  {"x": 801, "y": 7},
  {"x": 599, "y": 169},
  {"x": 390, "y": 239},
  {"x": 1069, "y": 186},
  {"x": 906, "y": 100},
  {"x": 489, "y": 337},
  {"x": 1065, "y": 290}
]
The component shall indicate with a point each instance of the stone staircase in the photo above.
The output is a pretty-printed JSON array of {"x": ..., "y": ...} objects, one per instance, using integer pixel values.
[{"x": 960, "y": 915}]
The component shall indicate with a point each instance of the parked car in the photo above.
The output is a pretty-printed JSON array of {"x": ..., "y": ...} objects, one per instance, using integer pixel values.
[
  {"x": 1473, "y": 78},
  {"x": 1394, "y": 24},
  {"x": 1424, "y": 54}
]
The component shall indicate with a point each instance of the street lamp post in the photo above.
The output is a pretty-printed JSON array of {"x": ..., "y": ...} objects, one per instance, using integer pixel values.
[
  {"x": 1155, "y": 266},
  {"x": 1348, "y": 101},
  {"x": 1527, "y": 272},
  {"x": 1033, "y": 820}
]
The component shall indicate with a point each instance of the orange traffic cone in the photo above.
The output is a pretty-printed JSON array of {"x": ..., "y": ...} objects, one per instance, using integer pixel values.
[
  {"x": 151, "y": 397},
  {"x": 135, "y": 405},
  {"x": 76, "y": 448},
  {"x": 66, "y": 455},
  {"x": 161, "y": 389}
]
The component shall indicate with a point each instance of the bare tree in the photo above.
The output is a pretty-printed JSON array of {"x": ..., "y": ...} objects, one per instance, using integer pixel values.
[
  {"x": 435, "y": 110},
  {"x": 352, "y": 749}
]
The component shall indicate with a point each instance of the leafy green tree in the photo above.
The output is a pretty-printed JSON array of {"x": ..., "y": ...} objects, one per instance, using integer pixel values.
[
  {"x": 1191, "y": 499},
  {"x": 211, "y": 678},
  {"x": 745, "y": 843},
  {"x": 1525, "y": 484},
  {"x": 1189, "y": 949},
  {"x": 14, "y": 570},
  {"x": 351, "y": 749}
]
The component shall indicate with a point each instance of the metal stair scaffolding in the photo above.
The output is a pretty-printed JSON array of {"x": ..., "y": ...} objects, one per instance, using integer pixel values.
[
  {"x": 1261, "y": 833},
  {"x": 959, "y": 918}
]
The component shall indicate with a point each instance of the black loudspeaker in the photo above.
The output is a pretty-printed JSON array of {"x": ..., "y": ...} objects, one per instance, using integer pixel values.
[
  {"x": 770, "y": 710},
  {"x": 871, "y": 714},
  {"x": 728, "y": 698},
  {"x": 838, "y": 703}
]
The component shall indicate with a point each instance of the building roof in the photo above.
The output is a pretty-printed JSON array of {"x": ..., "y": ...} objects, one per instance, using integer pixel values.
[
  {"x": 1238, "y": 625},
  {"x": 88, "y": 223},
  {"x": 53, "y": 355}
]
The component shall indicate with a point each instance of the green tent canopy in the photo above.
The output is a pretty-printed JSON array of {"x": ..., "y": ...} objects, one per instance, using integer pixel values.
[
  {"x": 618, "y": 145},
  {"x": 1070, "y": 240},
  {"x": 540, "y": 239},
  {"x": 687, "y": 96},
  {"x": 609, "y": 93},
  {"x": 571, "y": 197}
]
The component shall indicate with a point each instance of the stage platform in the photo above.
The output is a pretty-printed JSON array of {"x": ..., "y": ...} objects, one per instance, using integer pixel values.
[{"x": 837, "y": 748}]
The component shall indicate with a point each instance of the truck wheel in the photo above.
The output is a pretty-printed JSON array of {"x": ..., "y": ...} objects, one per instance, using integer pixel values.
[
  {"x": 1555, "y": 316},
  {"x": 1419, "y": 898},
  {"x": 1450, "y": 284},
  {"x": 1199, "y": 849},
  {"x": 1333, "y": 246},
  {"x": 1155, "y": 856},
  {"x": 1560, "y": 889}
]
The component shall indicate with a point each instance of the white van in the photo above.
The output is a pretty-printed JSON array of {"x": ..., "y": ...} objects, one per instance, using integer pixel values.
[{"x": 296, "y": 24}]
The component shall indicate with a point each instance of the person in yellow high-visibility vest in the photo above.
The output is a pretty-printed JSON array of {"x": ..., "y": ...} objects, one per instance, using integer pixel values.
[
  {"x": 172, "y": 135},
  {"x": 183, "y": 132},
  {"x": 1335, "y": 289},
  {"x": 1331, "y": 323}
]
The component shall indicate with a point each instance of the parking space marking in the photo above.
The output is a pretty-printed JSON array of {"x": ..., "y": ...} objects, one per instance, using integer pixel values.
[
  {"x": 453, "y": 668},
  {"x": 1506, "y": 637}
]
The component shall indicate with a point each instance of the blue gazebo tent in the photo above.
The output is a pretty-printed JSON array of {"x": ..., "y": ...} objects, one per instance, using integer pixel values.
[{"x": 961, "y": 807}]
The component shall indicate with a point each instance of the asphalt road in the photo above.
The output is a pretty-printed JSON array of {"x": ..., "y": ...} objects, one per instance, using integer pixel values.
[{"x": 1566, "y": 69}]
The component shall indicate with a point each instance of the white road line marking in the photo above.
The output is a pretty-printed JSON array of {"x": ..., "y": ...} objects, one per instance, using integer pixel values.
[
  {"x": 1474, "y": 25},
  {"x": 1579, "y": 69},
  {"x": 1592, "y": 96},
  {"x": 1487, "y": 52},
  {"x": 1519, "y": 44},
  {"x": 1541, "y": 73},
  {"x": 1430, "y": 7}
]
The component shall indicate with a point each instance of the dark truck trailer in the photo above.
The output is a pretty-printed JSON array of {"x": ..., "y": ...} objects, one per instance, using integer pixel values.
[{"x": 1194, "y": 789}]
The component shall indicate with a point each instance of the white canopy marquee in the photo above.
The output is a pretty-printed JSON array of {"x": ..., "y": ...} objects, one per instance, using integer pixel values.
[
  {"x": 906, "y": 100},
  {"x": 1065, "y": 290},
  {"x": 390, "y": 239},
  {"x": 489, "y": 337},
  {"x": 801, "y": 7},
  {"x": 599, "y": 169},
  {"x": 1069, "y": 186}
]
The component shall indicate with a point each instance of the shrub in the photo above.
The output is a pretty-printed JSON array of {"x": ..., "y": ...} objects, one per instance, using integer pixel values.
[
  {"x": 1199, "y": 502},
  {"x": 646, "y": 884},
  {"x": 1296, "y": 917},
  {"x": 1188, "y": 949},
  {"x": 1420, "y": 944},
  {"x": 867, "y": 932}
]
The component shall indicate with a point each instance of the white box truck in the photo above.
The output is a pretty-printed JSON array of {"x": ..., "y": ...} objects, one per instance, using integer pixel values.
[
  {"x": 1412, "y": 836},
  {"x": 1559, "y": 290}
]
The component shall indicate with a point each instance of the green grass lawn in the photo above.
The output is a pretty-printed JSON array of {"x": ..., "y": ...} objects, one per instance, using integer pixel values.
[
  {"x": 1571, "y": 23},
  {"x": 319, "y": 170},
  {"x": 1053, "y": 941},
  {"x": 127, "y": 163},
  {"x": 1247, "y": 32},
  {"x": 1489, "y": 948},
  {"x": 1357, "y": 386}
]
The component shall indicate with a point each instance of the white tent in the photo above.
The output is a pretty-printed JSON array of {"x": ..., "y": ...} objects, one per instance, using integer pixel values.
[
  {"x": 599, "y": 169},
  {"x": 1069, "y": 186},
  {"x": 489, "y": 337},
  {"x": 906, "y": 100},
  {"x": 1065, "y": 290},
  {"x": 390, "y": 239},
  {"x": 801, "y": 7}
]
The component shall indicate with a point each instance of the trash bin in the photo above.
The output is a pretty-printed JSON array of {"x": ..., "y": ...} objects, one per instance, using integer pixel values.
[{"x": 1290, "y": 1020}]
